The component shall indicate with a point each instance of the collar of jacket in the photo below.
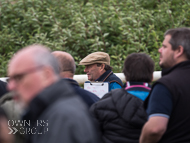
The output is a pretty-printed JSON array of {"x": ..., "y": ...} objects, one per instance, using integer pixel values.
[
  {"x": 131, "y": 83},
  {"x": 48, "y": 96},
  {"x": 72, "y": 81},
  {"x": 177, "y": 66},
  {"x": 104, "y": 76},
  {"x": 137, "y": 85}
]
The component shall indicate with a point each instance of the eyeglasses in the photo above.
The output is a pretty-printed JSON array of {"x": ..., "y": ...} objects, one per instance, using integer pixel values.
[{"x": 20, "y": 76}]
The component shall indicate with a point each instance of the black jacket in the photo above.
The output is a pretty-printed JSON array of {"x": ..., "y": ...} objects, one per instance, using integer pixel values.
[
  {"x": 88, "y": 97},
  {"x": 3, "y": 88},
  {"x": 120, "y": 116},
  {"x": 58, "y": 115},
  {"x": 110, "y": 77},
  {"x": 177, "y": 81}
]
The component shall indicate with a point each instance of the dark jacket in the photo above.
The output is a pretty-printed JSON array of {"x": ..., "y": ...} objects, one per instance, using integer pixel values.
[
  {"x": 120, "y": 116},
  {"x": 110, "y": 77},
  {"x": 58, "y": 115},
  {"x": 88, "y": 97},
  {"x": 3, "y": 88},
  {"x": 177, "y": 81}
]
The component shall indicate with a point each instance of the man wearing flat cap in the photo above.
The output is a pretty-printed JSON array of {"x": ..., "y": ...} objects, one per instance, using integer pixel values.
[{"x": 97, "y": 68}]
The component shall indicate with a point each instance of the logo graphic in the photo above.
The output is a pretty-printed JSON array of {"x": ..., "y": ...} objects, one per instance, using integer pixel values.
[
  {"x": 13, "y": 130},
  {"x": 25, "y": 127}
]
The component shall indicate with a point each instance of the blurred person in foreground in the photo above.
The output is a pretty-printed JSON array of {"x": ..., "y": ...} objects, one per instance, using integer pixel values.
[
  {"x": 14, "y": 110},
  {"x": 168, "y": 103},
  {"x": 120, "y": 114},
  {"x": 67, "y": 70},
  {"x": 55, "y": 114},
  {"x": 5, "y": 135},
  {"x": 97, "y": 68}
]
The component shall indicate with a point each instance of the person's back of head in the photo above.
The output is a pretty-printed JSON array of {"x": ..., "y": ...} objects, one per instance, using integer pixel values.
[
  {"x": 138, "y": 67},
  {"x": 180, "y": 37},
  {"x": 66, "y": 62}
]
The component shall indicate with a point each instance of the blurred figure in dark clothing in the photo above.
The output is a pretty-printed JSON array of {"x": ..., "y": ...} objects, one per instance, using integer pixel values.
[
  {"x": 14, "y": 110},
  {"x": 3, "y": 88},
  {"x": 5, "y": 135}
]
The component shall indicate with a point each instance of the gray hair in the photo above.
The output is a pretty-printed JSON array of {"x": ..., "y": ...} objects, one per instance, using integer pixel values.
[{"x": 43, "y": 57}]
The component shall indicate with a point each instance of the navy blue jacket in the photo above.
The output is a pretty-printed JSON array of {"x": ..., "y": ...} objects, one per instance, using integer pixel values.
[
  {"x": 88, "y": 97},
  {"x": 176, "y": 80},
  {"x": 110, "y": 77},
  {"x": 3, "y": 88}
]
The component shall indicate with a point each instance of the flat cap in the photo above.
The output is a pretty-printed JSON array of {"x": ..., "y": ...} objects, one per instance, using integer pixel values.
[{"x": 95, "y": 58}]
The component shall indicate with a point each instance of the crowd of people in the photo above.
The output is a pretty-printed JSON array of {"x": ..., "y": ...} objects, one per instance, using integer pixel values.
[{"x": 44, "y": 104}]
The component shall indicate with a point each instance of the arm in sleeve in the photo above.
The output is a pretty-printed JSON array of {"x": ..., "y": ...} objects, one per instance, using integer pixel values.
[
  {"x": 160, "y": 102},
  {"x": 159, "y": 110}
]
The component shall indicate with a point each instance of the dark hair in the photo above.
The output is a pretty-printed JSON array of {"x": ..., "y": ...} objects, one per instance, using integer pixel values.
[
  {"x": 180, "y": 37},
  {"x": 107, "y": 67},
  {"x": 138, "y": 67}
]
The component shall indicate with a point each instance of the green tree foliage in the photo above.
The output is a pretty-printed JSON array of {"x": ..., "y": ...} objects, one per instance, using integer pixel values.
[{"x": 118, "y": 27}]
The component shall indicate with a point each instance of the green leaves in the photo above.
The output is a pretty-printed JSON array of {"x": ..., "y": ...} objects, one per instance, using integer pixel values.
[{"x": 118, "y": 27}]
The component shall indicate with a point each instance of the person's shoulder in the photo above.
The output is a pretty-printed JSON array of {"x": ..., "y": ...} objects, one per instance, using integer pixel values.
[
  {"x": 108, "y": 98},
  {"x": 114, "y": 75},
  {"x": 69, "y": 105},
  {"x": 115, "y": 79},
  {"x": 159, "y": 87},
  {"x": 123, "y": 96},
  {"x": 115, "y": 85},
  {"x": 69, "y": 110},
  {"x": 85, "y": 92},
  {"x": 2, "y": 82}
]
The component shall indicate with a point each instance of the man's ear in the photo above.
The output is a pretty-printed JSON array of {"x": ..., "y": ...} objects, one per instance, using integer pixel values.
[
  {"x": 102, "y": 66},
  {"x": 179, "y": 52},
  {"x": 47, "y": 73}
]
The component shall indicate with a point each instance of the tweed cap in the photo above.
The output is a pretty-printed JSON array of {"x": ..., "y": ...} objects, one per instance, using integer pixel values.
[{"x": 95, "y": 58}]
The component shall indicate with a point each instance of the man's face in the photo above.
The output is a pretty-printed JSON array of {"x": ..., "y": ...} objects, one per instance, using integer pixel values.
[
  {"x": 93, "y": 72},
  {"x": 25, "y": 78},
  {"x": 166, "y": 54}
]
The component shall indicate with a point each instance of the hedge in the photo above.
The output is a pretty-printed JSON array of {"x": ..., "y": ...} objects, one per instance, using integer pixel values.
[{"x": 118, "y": 27}]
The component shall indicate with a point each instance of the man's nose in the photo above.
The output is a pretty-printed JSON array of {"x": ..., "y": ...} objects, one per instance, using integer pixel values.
[
  {"x": 11, "y": 85},
  {"x": 85, "y": 70},
  {"x": 160, "y": 50}
]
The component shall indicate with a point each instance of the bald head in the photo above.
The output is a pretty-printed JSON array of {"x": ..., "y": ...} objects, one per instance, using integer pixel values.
[
  {"x": 66, "y": 62},
  {"x": 32, "y": 69}
]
